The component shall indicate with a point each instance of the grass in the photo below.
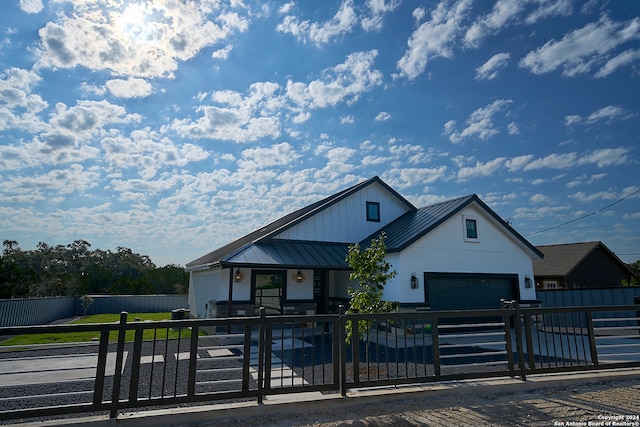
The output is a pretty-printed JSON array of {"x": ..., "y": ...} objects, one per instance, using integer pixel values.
[{"x": 148, "y": 334}]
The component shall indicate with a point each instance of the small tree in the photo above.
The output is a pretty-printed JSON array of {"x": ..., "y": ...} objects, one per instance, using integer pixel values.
[{"x": 372, "y": 272}]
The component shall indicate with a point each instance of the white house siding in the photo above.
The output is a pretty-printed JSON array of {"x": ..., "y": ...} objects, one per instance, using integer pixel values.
[
  {"x": 203, "y": 286},
  {"x": 346, "y": 220},
  {"x": 300, "y": 290},
  {"x": 445, "y": 250}
]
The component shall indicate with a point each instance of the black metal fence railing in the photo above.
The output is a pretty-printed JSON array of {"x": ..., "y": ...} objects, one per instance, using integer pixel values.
[{"x": 131, "y": 365}]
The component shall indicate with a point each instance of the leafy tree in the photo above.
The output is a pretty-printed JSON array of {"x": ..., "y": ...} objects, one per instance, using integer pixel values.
[
  {"x": 75, "y": 269},
  {"x": 372, "y": 272},
  {"x": 635, "y": 268}
]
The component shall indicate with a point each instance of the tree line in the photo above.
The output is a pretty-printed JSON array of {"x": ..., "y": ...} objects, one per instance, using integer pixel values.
[{"x": 75, "y": 270}]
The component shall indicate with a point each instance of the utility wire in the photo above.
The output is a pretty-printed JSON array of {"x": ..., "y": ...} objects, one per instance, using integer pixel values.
[{"x": 583, "y": 216}]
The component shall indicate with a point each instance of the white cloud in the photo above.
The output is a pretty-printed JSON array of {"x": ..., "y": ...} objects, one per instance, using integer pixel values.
[
  {"x": 489, "y": 70},
  {"x": 601, "y": 158},
  {"x": 519, "y": 162},
  {"x": 31, "y": 6},
  {"x": 600, "y": 195},
  {"x": 434, "y": 38},
  {"x": 341, "y": 23},
  {"x": 608, "y": 113},
  {"x": 344, "y": 82},
  {"x": 347, "y": 119},
  {"x": 408, "y": 177},
  {"x": 237, "y": 117},
  {"x": 370, "y": 16},
  {"x": 480, "y": 124},
  {"x": 277, "y": 155},
  {"x": 509, "y": 12},
  {"x": 383, "y": 116},
  {"x": 139, "y": 40},
  {"x": 580, "y": 50},
  {"x": 375, "y": 10},
  {"x": 240, "y": 118},
  {"x": 538, "y": 198},
  {"x": 73, "y": 179},
  {"x": 130, "y": 88},
  {"x": 222, "y": 53},
  {"x": 550, "y": 8},
  {"x": 624, "y": 59},
  {"x": 482, "y": 169},
  {"x": 503, "y": 12}
]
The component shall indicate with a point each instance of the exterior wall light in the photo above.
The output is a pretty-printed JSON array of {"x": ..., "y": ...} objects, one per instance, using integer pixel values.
[
  {"x": 414, "y": 281},
  {"x": 527, "y": 281},
  {"x": 299, "y": 277},
  {"x": 238, "y": 276}
]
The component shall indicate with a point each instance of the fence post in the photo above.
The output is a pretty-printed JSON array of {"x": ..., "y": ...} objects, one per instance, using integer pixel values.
[
  {"x": 103, "y": 349},
  {"x": 592, "y": 338},
  {"x": 117, "y": 375},
  {"x": 261, "y": 355},
  {"x": 518, "y": 327},
  {"x": 506, "y": 318},
  {"x": 193, "y": 361},
  {"x": 342, "y": 344}
]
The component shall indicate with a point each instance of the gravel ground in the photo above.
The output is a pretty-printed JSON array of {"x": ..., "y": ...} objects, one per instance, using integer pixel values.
[{"x": 605, "y": 403}]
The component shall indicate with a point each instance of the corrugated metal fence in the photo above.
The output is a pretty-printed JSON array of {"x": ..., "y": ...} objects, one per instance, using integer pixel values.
[
  {"x": 587, "y": 297},
  {"x": 35, "y": 311},
  {"x": 39, "y": 311}
]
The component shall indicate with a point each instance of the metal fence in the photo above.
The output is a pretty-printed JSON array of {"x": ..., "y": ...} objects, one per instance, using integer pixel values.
[
  {"x": 131, "y": 364},
  {"x": 38, "y": 311}
]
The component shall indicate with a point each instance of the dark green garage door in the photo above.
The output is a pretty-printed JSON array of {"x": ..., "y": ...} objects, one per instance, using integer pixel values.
[{"x": 468, "y": 293}]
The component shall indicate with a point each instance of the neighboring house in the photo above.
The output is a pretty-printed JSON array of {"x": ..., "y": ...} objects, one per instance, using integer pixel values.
[
  {"x": 457, "y": 254},
  {"x": 579, "y": 265}
]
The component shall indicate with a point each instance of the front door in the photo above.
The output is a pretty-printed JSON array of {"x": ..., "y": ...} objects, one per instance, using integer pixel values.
[{"x": 268, "y": 290}]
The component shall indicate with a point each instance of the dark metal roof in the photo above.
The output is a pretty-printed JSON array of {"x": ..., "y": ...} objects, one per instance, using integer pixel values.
[
  {"x": 264, "y": 233},
  {"x": 411, "y": 226},
  {"x": 291, "y": 253}
]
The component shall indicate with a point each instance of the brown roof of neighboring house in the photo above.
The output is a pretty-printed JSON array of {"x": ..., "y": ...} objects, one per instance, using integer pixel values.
[{"x": 560, "y": 260}]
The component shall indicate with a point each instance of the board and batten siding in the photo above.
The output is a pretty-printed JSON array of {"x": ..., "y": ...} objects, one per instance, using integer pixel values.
[
  {"x": 346, "y": 220},
  {"x": 445, "y": 250}
]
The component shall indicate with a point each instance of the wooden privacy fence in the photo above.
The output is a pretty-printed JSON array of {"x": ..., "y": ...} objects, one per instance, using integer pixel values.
[{"x": 132, "y": 365}]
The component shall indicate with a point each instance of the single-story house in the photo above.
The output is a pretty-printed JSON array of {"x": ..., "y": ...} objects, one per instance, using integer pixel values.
[
  {"x": 579, "y": 265},
  {"x": 458, "y": 254}
]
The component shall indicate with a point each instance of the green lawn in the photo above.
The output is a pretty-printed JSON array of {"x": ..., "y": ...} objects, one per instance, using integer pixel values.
[{"x": 148, "y": 334}]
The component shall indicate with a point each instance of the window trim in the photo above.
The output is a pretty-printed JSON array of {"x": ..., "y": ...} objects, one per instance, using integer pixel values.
[
  {"x": 370, "y": 217},
  {"x": 465, "y": 230}
]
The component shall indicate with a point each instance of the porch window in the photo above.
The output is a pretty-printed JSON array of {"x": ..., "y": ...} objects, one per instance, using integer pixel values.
[{"x": 373, "y": 211}]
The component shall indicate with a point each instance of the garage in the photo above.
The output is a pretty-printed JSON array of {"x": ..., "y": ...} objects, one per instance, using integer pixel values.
[{"x": 468, "y": 291}]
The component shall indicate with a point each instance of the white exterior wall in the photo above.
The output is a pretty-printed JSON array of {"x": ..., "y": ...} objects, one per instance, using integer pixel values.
[
  {"x": 346, "y": 220},
  {"x": 302, "y": 290},
  {"x": 204, "y": 286},
  {"x": 445, "y": 250}
]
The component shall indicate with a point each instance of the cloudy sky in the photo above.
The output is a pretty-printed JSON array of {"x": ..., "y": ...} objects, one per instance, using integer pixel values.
[{"x": 173, "y": 127}]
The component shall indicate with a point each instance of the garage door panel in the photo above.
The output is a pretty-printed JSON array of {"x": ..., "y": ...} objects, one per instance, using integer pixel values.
[{"x": 453, "y": 293}]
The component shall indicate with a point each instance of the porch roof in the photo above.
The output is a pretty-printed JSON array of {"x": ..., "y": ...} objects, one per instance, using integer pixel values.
[{"x": 290, "y": 253}]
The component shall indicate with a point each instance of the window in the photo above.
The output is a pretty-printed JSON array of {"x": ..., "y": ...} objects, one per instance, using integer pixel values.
[
  {"x": 471, "y": 228},
  {"x": 373, "y": 211}
]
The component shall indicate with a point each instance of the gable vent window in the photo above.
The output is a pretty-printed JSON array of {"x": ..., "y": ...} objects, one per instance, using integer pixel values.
[
  {"x": 471, "y": 229},
  {"x": 373, "y": 211}
]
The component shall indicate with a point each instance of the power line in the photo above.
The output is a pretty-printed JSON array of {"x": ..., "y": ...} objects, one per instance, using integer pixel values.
[{"x": 584, "y": 216}]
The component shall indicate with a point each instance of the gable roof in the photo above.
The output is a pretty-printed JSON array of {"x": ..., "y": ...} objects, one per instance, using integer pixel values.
[
  {"x": 411, "y": 226},
  {"x": 227, "y": 252},
  {"x": 561, "y": 260}
]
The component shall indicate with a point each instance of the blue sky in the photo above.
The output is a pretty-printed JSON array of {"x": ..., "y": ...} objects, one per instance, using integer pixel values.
[{"x": 173, "y": 127}]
